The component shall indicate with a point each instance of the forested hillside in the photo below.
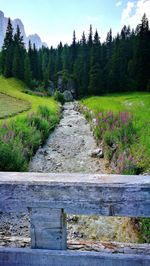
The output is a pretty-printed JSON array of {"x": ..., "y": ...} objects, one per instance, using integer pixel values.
[{"x": 119, "y": 64}]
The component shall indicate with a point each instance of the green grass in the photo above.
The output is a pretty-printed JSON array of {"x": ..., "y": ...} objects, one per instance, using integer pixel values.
[
  {"x": 15, "y": 89},
  {"x": 136, "y": 103},
  {"x": 34, "y": 117},
  {"x": 10, "y": 106}
]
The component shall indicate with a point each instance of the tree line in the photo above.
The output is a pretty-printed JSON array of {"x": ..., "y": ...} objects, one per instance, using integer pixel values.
[{"x": 119, "y": 64}]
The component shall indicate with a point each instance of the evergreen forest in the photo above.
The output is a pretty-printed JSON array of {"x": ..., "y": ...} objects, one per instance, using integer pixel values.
[{"x": 119, "y": 64}]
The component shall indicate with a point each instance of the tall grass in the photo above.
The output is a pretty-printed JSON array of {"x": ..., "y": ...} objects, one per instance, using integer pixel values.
[
  {"x": 138, "y": 106},
  {"x": 20, "y": 138}
]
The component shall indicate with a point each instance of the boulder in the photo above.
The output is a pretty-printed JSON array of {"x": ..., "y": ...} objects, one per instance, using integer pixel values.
[
  {"x": 60, "y": 83},
  {"x": 68, "y": 96}
]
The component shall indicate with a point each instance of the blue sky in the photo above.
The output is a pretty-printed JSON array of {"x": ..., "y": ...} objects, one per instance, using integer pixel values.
[{"x": 55, "y": 20}]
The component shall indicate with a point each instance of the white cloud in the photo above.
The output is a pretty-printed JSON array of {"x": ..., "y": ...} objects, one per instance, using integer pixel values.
[
  {"x": 119, "y": 3},
  {"x": 133, "y": 12}
]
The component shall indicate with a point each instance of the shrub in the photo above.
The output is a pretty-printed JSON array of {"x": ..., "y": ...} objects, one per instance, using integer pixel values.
[
  {"x": 58, "y": 96},
  {"x": 126, "y": 165},
  {"x": 120, "y": 126},
  {"x": 109, "y": 138},
  {"x": 41, "y": 124},
  {"x": 28, "y": 135},
  {"x": 12, "y": 155},
  {"x": 118, "y": 134},
  {"x": 44, "y": 112}
]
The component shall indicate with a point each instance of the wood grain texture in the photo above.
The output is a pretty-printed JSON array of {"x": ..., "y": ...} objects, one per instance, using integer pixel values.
[{"x": 110, "y": 195}]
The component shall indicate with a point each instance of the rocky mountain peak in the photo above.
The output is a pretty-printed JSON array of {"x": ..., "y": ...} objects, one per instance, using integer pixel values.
[{"x": 35, "y": 38}]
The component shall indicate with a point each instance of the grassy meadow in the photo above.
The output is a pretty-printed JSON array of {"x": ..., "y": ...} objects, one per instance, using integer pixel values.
[
  {"x": 25, "y": 123},
  {"x": 15, "y": 88},
  {"x": 138, "y": 106},
  {"x": 10, "y": 106}
]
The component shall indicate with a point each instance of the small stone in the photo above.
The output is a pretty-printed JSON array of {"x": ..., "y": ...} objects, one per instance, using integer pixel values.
[
  {"x": 114, "y": 147},
  {"x": 48, "y": 158},
  {"x": 97, "y": 153},
  {"x": 100, "y": 154},
  {"x": 59, "y": 164},
  {"x": 45, "y": 152}
]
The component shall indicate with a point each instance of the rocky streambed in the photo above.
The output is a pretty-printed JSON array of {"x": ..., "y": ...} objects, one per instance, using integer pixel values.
[{"x": 70, "y": 149}]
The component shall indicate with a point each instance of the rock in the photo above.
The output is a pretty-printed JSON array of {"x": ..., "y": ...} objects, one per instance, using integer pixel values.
[
  {"x": 100, "y": 154},
  {"x": 94, "y": 121},
  {"x": 67, "y": 88},
  {"x": 71, "y": 87},
  {"x": 35, "y": 39},
  {"x": 114, "y": 147},
  {"x": 97, "y": 153},
  {"x": 146, "y": 173},
  {"x": 17, "y": 22},
  {"x": 68, "y": 96},
  {"x": 48, "y": 158},
  {"x": 60, "y": 83},
  {"x": 92, "y": 115},
  {"x": 45, "y": 152}
]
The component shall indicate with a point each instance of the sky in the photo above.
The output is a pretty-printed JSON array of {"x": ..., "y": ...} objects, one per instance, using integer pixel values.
[{"x": 55, "y": 20}]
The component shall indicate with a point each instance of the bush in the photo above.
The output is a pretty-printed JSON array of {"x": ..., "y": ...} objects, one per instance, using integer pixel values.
[
  {"x": 28, "y": 135},
  {"x": 126, "y": 165},
  {"x": 58, "y": 96},
  {"x": 12, "y": 155},
  {"x": 41, "y": 124},
  {"x": 119, "y": 135}
]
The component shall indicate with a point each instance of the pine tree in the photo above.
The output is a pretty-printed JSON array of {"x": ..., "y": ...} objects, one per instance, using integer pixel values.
[
  {"x": 95, "y": 74},
  {"x": 81, "y": 68},
  {"x": 34, "y": 61},
  {"x": 58, "y": 63},
  {"x": 7, "y": 52},
  {"x": 18, "y": 56},
  {"x": 109, "y": 44},
  {"x": 90, "y": 37},
  {"x": 73, "y": 51},
  {"x": 142, "y": 57}
]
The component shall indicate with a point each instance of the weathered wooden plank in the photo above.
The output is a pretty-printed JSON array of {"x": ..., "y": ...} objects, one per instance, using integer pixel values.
[
  {"x": 31, "y": 257},
  {"x": 109, "y": 195},
  {"x": 48, "y": 229}
]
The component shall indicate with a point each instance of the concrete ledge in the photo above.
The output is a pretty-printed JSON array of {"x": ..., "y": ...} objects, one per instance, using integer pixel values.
[
  {"x": 109, "y": 195},
  {"x": 31, "y": 257}
]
